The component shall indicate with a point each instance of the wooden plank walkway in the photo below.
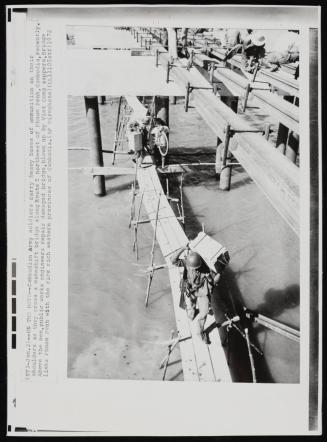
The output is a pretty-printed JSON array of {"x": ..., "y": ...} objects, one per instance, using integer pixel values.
[
  {"x": 201, "y": 362},
  {"x": 105, "y": 170}
]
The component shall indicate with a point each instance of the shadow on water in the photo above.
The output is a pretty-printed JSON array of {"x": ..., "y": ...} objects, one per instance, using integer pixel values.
[
  {"x": 277, "y": 301},
  {"x": 227, "y": 299},
  {"x": 112, "y": 188},
  {"x": 241, "y": 182}
]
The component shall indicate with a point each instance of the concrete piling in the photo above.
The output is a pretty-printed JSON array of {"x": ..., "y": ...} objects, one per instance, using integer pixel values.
[
  {"x": 164, "y": 38},
  {"x": 223, "y": 150},
  {"x": 282, "y": 135},
  {"x": 162, "y": 108},
  {"x": 212, "y": 71},
  {"x": 187, "y": 96},
  {"x": 218, "y": 158},
  {"x": 283, "y": 131},
  {"x": 93, "y": 123},
  {"x": 172, "y": 42},
  {"x": 292, "y": 147}
]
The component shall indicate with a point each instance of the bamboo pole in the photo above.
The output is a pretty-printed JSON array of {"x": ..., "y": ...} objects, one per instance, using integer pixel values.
[
  {"x": 118, "y": 124},
  {"x": 254, "y": 377},
  {"x": 152, "y": 253},
  {"x": 135, "y": 244}
]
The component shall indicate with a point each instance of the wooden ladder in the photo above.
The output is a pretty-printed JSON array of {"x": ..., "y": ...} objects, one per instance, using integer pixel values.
[{"x": 123, "y": 116}]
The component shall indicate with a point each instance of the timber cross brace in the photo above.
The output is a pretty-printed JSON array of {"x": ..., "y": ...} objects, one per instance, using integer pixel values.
[
  {"x": 189, "y": 89},
  {"x": 250, "y": 87},
  {"x": 157, "y": 59},
  {"x": 170, "y": 65},
  {"x": 211, "y": 69},
  {"x": 229, "y": 133}
]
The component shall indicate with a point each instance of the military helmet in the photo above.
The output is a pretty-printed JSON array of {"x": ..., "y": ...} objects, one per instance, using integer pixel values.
[{"x": 193, "y": 260}]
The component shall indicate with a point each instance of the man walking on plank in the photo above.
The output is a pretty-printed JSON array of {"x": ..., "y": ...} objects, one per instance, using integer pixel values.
[{"x": 196, "y": 287}]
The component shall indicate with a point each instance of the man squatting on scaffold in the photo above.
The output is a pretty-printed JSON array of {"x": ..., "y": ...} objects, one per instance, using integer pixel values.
[{"x": 196, "y": 287}]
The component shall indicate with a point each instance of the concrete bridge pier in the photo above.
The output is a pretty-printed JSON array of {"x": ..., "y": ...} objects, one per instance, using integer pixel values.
[
  {"x": 94, "y": 129},
  {"x": 292, "y": 147},
  {"x": 226, "y": 172},
  {"x": 287, "y": 141},
  {"x": 162, "y": 108},
  {"x": 172, "y": 42}
]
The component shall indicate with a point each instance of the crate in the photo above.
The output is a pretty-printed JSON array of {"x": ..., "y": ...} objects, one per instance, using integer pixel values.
[{"x": 214, "y": 254}]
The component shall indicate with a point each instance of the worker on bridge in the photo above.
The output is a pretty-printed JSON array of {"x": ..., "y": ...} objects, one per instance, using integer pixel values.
[
  {"x": 252, "y": 49},
  {"x": 196, "y": 287},
  {"x": 285, "y": 50}
]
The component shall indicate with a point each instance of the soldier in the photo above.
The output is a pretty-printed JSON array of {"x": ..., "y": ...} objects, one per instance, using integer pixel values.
[{"x": 196, "y": 287}]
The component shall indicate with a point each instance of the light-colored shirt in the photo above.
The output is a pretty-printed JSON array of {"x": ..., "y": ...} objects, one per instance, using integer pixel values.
[{"x": 288, "y": 41}]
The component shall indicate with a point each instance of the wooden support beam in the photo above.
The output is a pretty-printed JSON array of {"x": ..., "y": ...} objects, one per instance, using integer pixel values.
[
  {"x": 93, "y": 123},
  {"x": 284, "y": 111},
  {"x": 274, "y": 174},
  {"x": 105, "y": 170}
]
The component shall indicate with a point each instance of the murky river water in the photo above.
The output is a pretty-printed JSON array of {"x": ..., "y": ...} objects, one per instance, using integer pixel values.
[{"x": 111, "y": 334}]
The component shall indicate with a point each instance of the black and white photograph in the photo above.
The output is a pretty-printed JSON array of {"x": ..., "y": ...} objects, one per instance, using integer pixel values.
[
  {"x": 187, "y": 267},
  {"x": 164, "y": 220}
]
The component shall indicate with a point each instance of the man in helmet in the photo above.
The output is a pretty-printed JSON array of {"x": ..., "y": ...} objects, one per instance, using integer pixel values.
[
  {"x": 252, "y": 49},
  {"x": 235, "y": 41},
  {"x": 196, "y": 287}
]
